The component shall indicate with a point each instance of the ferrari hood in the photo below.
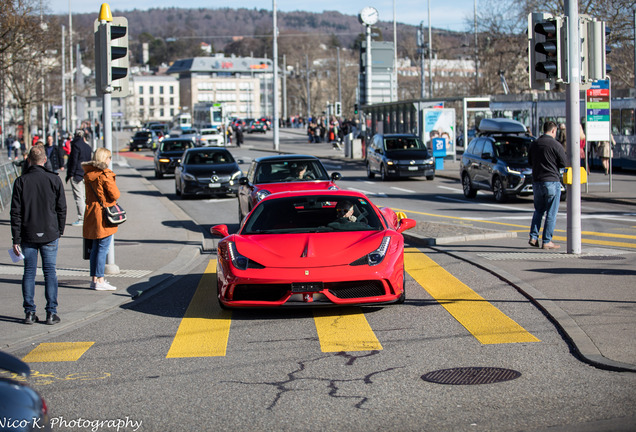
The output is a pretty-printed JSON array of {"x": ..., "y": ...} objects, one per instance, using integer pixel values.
[{"x": 308, "y": 250}]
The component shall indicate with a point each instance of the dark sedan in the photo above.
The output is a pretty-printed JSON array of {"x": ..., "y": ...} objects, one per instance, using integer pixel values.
[
  {"x": 256, "y": 126},
  {"x": 169, "y": 155},
  {"x": 207, "y": 171}
]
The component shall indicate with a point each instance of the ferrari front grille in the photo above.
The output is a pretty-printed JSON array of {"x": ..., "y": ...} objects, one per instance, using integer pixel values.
[{"x": 355, "y": 289}]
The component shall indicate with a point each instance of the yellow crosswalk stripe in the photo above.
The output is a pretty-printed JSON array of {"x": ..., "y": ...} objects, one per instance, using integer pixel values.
[
  {"x": 347, "y": 330},
  {"x": 487, "y": 323},
  {"x": 57, "y": 352},
  {"x": 205, "y": 327}
]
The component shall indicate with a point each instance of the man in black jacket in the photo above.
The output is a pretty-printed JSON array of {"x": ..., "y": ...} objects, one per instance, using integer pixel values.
[
  {"x": 38, "y": 215},
  {"x": 547, "y": 157},
  {"x": 80, "y": 152}
]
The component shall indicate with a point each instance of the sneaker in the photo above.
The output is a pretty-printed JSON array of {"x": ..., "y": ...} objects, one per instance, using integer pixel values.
[
  {"x": 52, "y": 318},
  {"x": 93, "y": 284},
  {"x": 78, "y": 222},
  {"x": 104, "y": 286},
  {"x": 31, "y": 318}
]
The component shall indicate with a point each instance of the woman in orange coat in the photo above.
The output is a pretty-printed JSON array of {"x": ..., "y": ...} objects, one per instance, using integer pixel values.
[{"x": 101, "y": 189}]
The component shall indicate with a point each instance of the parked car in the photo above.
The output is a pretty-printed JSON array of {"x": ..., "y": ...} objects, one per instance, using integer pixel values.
[
  {"x": 22, "y": 409},
  {"x": 169, "y": 155},
  {"x": 399, "y": 155},
  {"x": 256, "y": 126},
  {"x": 146, "y": 138},
  {"x": 207, "y": 171},
  {"x": 305, "y": 248},
  {"x": 211, "y": 137},
  {"x": 497, "y": 161},
  {"x": 272, "y": 174}
]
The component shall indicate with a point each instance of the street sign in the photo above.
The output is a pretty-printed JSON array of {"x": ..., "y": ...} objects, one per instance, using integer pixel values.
[{"x": 597, "y": 110}]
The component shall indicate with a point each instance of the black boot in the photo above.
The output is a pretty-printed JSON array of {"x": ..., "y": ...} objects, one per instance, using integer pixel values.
[
  {"x": 31, "y": 318},
  {"x": 52, "y": 318}
]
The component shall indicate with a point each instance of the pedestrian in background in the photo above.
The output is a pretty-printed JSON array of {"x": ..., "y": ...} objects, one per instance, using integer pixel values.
[
  {"x": 8, "y": 142},
  {"x": 54, "y": 155},
  {"x": 101, "y": 190},
  {"x": 80, "y": 153},
  {"x": 38, "y": 216},
  {"x": 604, "y": 150},
  {"x": 547, "y": 157}
]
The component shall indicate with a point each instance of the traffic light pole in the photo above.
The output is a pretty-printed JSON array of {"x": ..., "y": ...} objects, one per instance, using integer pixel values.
[{"x": 573, "y": 126}]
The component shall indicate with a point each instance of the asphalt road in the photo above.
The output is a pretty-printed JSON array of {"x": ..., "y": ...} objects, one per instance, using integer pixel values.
[{"x": 274, "y": 373}]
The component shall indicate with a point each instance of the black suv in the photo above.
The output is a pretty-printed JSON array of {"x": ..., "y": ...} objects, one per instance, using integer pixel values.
[
  {"x": 399, "y": 155},
  {"x": 497, "y": 160},
  {"x": 169, "y": 154}
]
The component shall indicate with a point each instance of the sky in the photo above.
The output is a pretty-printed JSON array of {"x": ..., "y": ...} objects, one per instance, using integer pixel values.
[{"x": 445, "y": 14}]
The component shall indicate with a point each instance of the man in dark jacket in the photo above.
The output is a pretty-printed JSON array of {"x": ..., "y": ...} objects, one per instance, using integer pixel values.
[
  {"x": 38, "y": 215},
  {"x": 547, "y": 157},
  {"x": 54, "y": 155},
  {"x": 80, "y": 152}
]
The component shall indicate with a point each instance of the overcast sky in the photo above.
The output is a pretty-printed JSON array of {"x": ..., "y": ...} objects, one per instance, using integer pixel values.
[{"x": 448, "y": 14}]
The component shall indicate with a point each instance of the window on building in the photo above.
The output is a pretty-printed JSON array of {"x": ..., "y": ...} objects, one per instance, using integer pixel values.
[
  {"x": 141, "y": 101},
  {"x": 152, "y": 89},
  {"x": 151, "y": 114},
  {"x": 141, "y": 90},
  {"x": 152, "y": 101},
  {"x": 161, "y": 112},
  {"x": 171, "y": 101},
  {"x": 171, "y": 112},
  {"x": 141, "y": 113},
  {"x": 171, "y": 89},
  {"x": 160, "y": 101},
  {"x": 160, "y": 89}
]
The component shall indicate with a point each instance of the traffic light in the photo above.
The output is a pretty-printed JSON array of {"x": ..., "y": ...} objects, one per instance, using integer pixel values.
[
  {"x": 111, "y": 54},
  {"x": 594, "y": 49},
  {"x": 547, "y": 50},
  {"x": 338, "y": 109},
  {"x": 355, "y": 109}
]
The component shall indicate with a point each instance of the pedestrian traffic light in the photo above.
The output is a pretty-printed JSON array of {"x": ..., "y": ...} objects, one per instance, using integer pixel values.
[
  {"x": 594, "y": 49},
  {"x": 547, "y": 56},
  {"x": 111, "y": 54}
]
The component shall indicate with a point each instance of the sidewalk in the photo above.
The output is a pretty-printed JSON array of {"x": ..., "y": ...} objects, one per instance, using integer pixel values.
[
  {"x": 153, "y": 220},
  {"x": 599, "y": 323}
]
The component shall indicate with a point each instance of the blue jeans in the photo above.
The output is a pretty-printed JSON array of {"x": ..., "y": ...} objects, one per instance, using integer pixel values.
[
  {"x": 48, "y": 251},
  {"x": 99, "y": 252},
  {"x": 546, "y": 201}
]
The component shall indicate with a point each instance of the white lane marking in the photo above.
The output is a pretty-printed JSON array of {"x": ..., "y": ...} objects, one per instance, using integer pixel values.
[
  {"x": 450, "y": 188},
  {"x": 402, "y": 190},
  {"x": 368, "y": 193},
  {"x": 499, "y": 206}
]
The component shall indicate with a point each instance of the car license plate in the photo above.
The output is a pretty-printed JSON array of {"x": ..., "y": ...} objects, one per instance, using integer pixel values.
[
  {"x": 214, "y": 185},
  {"x": 301, "y": 287},
  {"x": 412, "y": 168}
]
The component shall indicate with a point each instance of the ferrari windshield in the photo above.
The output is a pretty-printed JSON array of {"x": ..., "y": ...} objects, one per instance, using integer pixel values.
[
  {"x": 290, "y": 170},
  {"x": 312, "y": 214}
]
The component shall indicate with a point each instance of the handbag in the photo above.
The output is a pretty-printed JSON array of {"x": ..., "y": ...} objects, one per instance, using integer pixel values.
[{"x": 113, "y": 215}]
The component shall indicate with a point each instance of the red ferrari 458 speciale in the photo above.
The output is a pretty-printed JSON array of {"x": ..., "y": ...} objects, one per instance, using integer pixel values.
[{"x": 313, "y": 248}]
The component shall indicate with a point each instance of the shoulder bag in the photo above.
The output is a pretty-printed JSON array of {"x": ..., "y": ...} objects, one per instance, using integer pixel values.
[{"x": 113, "y": 215}]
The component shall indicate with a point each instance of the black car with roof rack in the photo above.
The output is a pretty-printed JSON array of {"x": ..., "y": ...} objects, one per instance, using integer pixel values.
[{"x": 497, "y": 160}]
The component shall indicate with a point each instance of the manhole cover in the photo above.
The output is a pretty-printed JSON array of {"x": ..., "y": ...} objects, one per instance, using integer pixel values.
[
  {"x": 602, "y": 257},
  {"x": 471, "y": 375}
]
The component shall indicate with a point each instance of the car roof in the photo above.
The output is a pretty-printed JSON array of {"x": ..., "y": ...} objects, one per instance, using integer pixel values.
[
  {"x": 397, "y": 135},
  {"x": 293, "y": 157},
  {"x": 188, "y": 140},
  {"x": 206, "y": 149},
  {"x": 500, "y": 125}
]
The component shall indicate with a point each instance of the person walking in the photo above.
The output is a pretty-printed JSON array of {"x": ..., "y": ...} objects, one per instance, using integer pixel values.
[
  {"x": 38, "y": 216},
  {"x": 101, "y": 190},
  {"x": 80, "y": 153},
  {"x": 54, "y": 155},
  {"x": 547, "y": 157}
]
